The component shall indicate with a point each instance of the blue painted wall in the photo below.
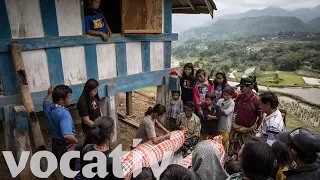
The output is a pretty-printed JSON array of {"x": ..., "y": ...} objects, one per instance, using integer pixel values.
[{"x": 52, "y": 43}]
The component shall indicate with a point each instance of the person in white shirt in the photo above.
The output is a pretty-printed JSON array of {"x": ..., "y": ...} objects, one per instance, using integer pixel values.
[{"x": 273, "y": 123}]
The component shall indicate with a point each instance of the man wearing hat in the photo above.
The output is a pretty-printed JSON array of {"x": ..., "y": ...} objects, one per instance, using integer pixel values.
[
  {"x": 248, "y": 115},
  {"x": 303, "y": 145},
  {"x": 191, "y": 122}
]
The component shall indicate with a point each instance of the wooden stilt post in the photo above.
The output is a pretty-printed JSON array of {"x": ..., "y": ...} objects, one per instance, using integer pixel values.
[
  {"x": 163, "y": 97},
  {"x": 26, "y": 96},
  {"x": 28, "y": 104},
  {"x": 111, "y": 104},
  {"x": 129, "y": 103},
  {"x": 22, "y": 140}
]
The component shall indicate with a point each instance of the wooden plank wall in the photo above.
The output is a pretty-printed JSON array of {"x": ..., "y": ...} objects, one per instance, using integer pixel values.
[{"x": 60, "y": 54}]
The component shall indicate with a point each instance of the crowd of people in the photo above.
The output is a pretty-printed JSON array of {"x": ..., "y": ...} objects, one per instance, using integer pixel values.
[{"x": 253, "y": 130}]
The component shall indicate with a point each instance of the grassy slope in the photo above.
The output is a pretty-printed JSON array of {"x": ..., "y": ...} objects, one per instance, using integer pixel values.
[{"x": 286, "y": 79}]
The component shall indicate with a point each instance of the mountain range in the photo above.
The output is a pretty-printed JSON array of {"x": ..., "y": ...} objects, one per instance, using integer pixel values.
[{"x": 183, "y": 22}]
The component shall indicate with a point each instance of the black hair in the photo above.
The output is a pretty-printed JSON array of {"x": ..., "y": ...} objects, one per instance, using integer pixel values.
[
  {"x": 229, "y": 90},
  {"x": 255, "y": 84},
  {"x": 173, "y": 92},
  {"x": 189, "y": 106},
  {"x": 257, "y": 159},
  {"x": 188, "y": 65},
  {"x": 89, "y": 86},
  {"x": 158, "y": 108},
  {"x": 305, "y": 156},
  {"x": 285, "y": 115},
  {"x": 271, "y": 98},
  {"x": 224, "y": 82},
  {"x": 201, "y": 71},
  {"x": 145, "y": 174},
  {"x": 211, "y": 95},
  {"x": 176, "y": 172},
  {"x": 280, "y": 150},
  {"x": 233, "y": 167},
  {"x": 60, "y": 92},
  {"x": 103, "y": 128}
]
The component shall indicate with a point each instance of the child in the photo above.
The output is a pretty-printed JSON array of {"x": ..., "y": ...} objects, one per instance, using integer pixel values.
[
  {"x": 95, "y": 23},
  {"x": 220, "y": 83},
  {"x": 200, "y": 89},
  {"x": 176, "y": 108},
  {"x": 233, "y": 167},
  {"x": 211, "y": 116},
  {"x": 186, "y": 82},
  {"x": 283, "y": 160},
  {"x": 192, "y": 124},
  {"x": 227, "y": 108}
]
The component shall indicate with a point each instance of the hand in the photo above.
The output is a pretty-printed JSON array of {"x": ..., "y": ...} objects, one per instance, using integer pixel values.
[
  {"x": 104, "y": 36},
  {"x": 50, "y": 90},
  {"x": 168, "y": 136},
  {"x": 71, "y": 147},
  {"x": 109, "y": 34},
  {"x": 182, "y": 128}
]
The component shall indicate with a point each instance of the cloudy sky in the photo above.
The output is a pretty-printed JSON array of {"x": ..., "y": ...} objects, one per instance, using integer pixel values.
[{"x": 237, "y": 6}]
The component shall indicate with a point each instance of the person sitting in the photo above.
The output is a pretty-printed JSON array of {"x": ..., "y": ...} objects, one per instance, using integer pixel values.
[
  {"x": 191, "y": 122},
  {"x": 303, "y": 146},
  {"x": 206, "y": 162},
  {"x": 95, "y": 22},
  {"x": 102, "y": 133},
  {"x": 146, "y": 130},
  {"x": 176, "y": 172},
  {"x": 256, "y": 159},
  {"x": 273, "y": 123}
]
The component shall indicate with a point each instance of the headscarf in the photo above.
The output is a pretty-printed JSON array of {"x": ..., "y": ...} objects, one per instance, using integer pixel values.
[{"x": 206, "y": 164}]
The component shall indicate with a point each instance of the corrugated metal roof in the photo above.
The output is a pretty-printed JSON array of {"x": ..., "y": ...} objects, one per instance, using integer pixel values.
[{"x": 193, "y": 6}]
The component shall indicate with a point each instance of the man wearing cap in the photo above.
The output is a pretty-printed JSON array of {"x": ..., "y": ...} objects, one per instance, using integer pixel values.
[
  {"x": 248, "y": 115},
  {"x": 191, "y": 122},
  {"x": 303, "y": 145}
]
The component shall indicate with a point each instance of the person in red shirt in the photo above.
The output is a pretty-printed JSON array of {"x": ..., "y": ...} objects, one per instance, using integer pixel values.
[{"x": 248, "y": 115}]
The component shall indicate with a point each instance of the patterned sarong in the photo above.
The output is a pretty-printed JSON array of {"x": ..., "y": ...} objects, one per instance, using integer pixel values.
[
  {"x": 148, "y": 154},
  {"x": 237, "y": 137},
  {"x": 217, "y": 141}
]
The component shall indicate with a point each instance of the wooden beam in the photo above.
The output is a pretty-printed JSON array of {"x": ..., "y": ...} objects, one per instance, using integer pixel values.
[
  {"x": 129, "y": 103},
  {"x": 191, "y": 5},
  {"x": 66, "y": 41},
  {"x": 142, "y": 31},
  {"x": 26, "y": 96},
  {"x": 210, "y": 7},
  {"x": 111, "y": 103}
]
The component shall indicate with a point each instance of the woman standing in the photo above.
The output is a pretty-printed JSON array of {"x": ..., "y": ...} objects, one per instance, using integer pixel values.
[{"x": 89, "y": 107}]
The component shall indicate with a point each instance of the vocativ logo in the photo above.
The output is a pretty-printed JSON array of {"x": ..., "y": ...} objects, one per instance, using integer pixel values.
[{"x": 101, "y": 165}]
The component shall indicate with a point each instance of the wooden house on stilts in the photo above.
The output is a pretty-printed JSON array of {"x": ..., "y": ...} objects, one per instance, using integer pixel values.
[{"x": 43, "y": 43}]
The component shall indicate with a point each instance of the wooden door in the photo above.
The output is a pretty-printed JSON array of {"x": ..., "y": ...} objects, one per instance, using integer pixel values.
[{"x": 141, "y": 16}]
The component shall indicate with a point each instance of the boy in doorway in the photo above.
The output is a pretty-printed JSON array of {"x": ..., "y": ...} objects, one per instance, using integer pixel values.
[
  {"x": 211, "y": 116},
  {"x": 226, "y": 105}
]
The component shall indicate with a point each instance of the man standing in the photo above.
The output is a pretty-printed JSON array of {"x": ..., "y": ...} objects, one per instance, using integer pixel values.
[
  {"x": 273, "y": 123},
  {"x": 248, "y": 115},
  {"x": 60, "y": 122},
  {"x": 303, "y": 145}
]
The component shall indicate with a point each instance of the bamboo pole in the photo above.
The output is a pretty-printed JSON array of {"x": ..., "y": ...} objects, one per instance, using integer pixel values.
[{"x": 26, "y": 96}]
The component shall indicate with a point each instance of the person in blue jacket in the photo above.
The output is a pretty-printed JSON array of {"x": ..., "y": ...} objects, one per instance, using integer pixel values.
[{"x": 95, "y": 22}]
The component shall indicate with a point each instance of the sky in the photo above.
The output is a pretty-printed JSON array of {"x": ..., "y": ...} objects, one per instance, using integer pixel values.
[
  {"x": 182, "y": 22},
  {"x": 238, "y": 6}
]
